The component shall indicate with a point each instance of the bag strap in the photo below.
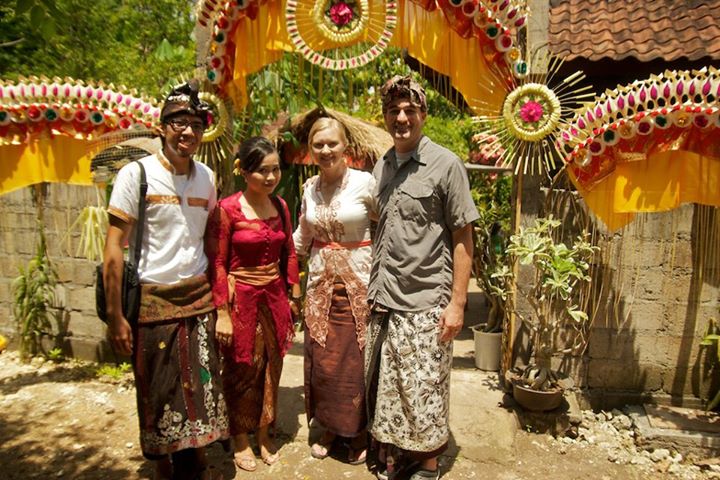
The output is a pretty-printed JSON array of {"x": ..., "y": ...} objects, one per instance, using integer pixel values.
[{"x": 140, "y": 224}]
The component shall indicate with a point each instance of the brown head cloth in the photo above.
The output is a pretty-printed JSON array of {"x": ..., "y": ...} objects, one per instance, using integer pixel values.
[
  {"x": 184, "y": 99},
  {"x": 403, "y": 87}
]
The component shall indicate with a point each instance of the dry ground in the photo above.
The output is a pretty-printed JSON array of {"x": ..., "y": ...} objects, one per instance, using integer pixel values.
[{"x": 63, "y": 421}]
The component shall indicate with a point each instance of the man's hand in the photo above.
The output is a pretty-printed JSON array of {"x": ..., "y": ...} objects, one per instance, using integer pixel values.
[
  {"x": 120, "y": 336},
  {"x": 223, "y": 327},
  {"x": 451, "y": 322}
]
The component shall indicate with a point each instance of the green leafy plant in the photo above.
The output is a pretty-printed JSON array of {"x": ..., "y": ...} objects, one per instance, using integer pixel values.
[
  {"x": 557, "y": 324},
  {"x": 711, "y": 342},
  {"x": 114, "y": 372},
  {"x": 33, "y": 293},
  {"x": 491, "y": 193},
  {"x": 56, "y": 355}
]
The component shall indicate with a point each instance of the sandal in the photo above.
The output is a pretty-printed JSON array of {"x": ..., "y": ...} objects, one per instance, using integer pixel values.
[
  {"x": 357, "y": 456},
  {"x": 271, "y": 459},
  {"x": 321, "y": 448},
  {"x": 245, "y": 462},
  {"x": 423, "y": 474}
]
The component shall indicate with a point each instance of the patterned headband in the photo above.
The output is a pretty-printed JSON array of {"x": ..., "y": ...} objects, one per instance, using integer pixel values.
[{"x": 403, "y": 87}]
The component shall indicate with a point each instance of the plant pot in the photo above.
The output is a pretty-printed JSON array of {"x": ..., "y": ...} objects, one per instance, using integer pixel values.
[
  {"x": 487, "y": 349},
  {"x": 536, "y": 400}
]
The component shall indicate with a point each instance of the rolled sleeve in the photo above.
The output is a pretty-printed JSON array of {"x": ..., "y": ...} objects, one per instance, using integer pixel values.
[{"x": 460, "y": 208}]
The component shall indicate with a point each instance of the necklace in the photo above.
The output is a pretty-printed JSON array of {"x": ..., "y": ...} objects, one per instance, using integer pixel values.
[{"x": 329, "y": 190}]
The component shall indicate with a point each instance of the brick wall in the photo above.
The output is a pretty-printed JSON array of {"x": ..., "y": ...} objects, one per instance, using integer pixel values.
[
  {"x": 660, "y": 292},
  {"x": 81, "y": 328},
  {"x": 656, "y": 285}
]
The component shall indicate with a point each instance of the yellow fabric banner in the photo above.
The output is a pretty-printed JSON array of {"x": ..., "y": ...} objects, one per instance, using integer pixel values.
[
  {"x": 426, "y": 35},
  {"x": 58, "y": 159},
  {"x": 662, "y": 182}
]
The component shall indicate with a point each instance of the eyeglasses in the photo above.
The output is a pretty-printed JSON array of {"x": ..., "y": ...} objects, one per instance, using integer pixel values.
[{"x": 180, "y": 124}]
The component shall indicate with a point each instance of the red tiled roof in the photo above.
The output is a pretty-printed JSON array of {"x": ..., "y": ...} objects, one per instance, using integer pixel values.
[{"x": 644, "y": 29}]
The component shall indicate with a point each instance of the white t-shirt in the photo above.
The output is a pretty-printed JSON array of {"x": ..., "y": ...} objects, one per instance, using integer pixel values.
[{"x": 176, "y": 214}]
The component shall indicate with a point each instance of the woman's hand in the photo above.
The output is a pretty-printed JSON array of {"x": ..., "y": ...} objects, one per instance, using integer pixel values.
[
  {"x": 224, "y": 328},
  {"x": 294, "y": 306}
]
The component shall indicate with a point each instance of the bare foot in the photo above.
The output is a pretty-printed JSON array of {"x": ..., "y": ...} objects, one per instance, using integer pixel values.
[{"x": 321, "y": 448}]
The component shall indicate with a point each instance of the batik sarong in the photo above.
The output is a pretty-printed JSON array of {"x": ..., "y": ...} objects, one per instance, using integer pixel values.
[
  {"x": 334, "y": 377},
  {"x": 252, "y": 389},
  {"x": 408, "y": 380},
  {"x": 179, "y": 394}
]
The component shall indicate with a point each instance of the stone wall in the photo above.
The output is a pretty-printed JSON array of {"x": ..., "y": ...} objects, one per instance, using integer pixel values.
[
  {"x": 656, "y": 286},
  {"x": 660, "y": 288},
  {"x": 81, "y": 332}
]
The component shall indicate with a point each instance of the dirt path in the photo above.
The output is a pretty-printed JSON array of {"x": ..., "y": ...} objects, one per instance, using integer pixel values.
[{"x": 62, "y": 421}]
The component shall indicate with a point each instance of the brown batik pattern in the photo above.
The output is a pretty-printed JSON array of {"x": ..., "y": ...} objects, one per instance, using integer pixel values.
[{"x": 252, "y": 390}]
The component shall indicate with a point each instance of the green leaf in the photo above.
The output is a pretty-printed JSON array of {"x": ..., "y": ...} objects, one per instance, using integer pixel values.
[
  {"x": 714, "y": 402},
  {"x": 578, "y": 316},
  {"x": 48, "y": 29},
  {"x": 37, "y": 16},
  {"x": 22, "y": 6}
]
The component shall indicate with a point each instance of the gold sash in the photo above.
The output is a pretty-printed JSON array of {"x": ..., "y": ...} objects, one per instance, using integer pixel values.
[{"x": 257, "y": 276}]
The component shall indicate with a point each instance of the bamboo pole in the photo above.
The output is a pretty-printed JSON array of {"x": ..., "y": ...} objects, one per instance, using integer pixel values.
[{"x": 509, "y": 330}]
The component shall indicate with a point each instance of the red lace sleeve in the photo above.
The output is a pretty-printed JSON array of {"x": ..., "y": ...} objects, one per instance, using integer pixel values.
[
  {"x": 293, "y": 271},
  {"x": 218, "y": 248}
]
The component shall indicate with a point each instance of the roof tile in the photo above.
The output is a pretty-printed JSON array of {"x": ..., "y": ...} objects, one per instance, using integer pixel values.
[{"x": 646, "y": 30}]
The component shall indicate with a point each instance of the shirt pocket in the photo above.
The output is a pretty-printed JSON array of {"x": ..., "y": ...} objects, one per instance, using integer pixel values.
[{"x": 415, "y": 202}]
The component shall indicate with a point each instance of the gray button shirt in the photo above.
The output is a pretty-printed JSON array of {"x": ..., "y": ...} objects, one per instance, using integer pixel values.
[{"x": 420, "y": 204}]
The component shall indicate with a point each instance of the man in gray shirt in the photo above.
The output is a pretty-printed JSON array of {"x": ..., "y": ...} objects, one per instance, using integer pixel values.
[{"x": 422, "y": 254}]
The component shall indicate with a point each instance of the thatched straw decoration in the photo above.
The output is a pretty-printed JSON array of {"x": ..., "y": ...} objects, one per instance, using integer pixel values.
[{"x": 367, "y": 142}]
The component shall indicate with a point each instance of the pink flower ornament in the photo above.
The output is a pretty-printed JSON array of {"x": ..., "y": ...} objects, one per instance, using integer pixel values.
[
  {"x": 531, "y": 112},
  {"x": 341, "y": 14}
]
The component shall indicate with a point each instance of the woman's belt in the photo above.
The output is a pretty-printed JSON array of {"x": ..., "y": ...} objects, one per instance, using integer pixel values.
[
  {"x": 341, "y": 245},
  {"x": 256, "y": 276}
]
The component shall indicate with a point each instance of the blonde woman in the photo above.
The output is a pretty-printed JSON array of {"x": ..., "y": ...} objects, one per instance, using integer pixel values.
[{"x": 334, "y": 231}]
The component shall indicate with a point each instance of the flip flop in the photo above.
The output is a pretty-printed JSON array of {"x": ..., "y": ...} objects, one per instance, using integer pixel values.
[
  {"x": 245, "y": 462},
  {"x": 271, "y": 459},
  {"x": 357, "y": 456},
  {"x": 319, "y": 450}
]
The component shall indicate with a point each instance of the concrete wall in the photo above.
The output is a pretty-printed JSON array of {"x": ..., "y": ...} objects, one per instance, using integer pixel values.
[
  {"x": 656, "y": 285},
  {"x": 661, "y": 286},
  {"x": 81, "y": 330}
]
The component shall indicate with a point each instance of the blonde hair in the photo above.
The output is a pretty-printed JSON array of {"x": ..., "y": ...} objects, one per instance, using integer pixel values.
[{"x": 323, "y": 123}]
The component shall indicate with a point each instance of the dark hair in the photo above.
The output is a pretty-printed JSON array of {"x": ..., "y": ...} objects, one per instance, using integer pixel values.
[{"x": 252, "y": 152}]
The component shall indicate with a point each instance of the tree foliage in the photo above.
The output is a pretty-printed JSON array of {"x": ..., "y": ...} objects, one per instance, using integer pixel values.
[{"x": 142, "y": 44}]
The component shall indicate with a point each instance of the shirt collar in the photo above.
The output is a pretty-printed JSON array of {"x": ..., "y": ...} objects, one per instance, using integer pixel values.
[
  {"x": 416, "y": 154},
  {"x": 169, "y": 166}
]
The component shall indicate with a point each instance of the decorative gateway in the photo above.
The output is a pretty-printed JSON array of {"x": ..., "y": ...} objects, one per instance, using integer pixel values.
[
  {"x": 54, "y": 127},
  {"x": 346, "y": 34},
  {"x": 49, "y": 128},
  {"x": 648, "y": 146}
]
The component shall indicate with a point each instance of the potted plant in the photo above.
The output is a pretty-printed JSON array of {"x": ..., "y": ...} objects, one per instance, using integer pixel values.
[
  {"x": 490, "y": 247},
  {"x": 491, "y": 193},
  {"x": 557, "y": 324}
]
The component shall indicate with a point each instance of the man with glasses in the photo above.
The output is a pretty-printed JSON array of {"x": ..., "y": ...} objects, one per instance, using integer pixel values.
[{"x": 181, "y": 408}]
